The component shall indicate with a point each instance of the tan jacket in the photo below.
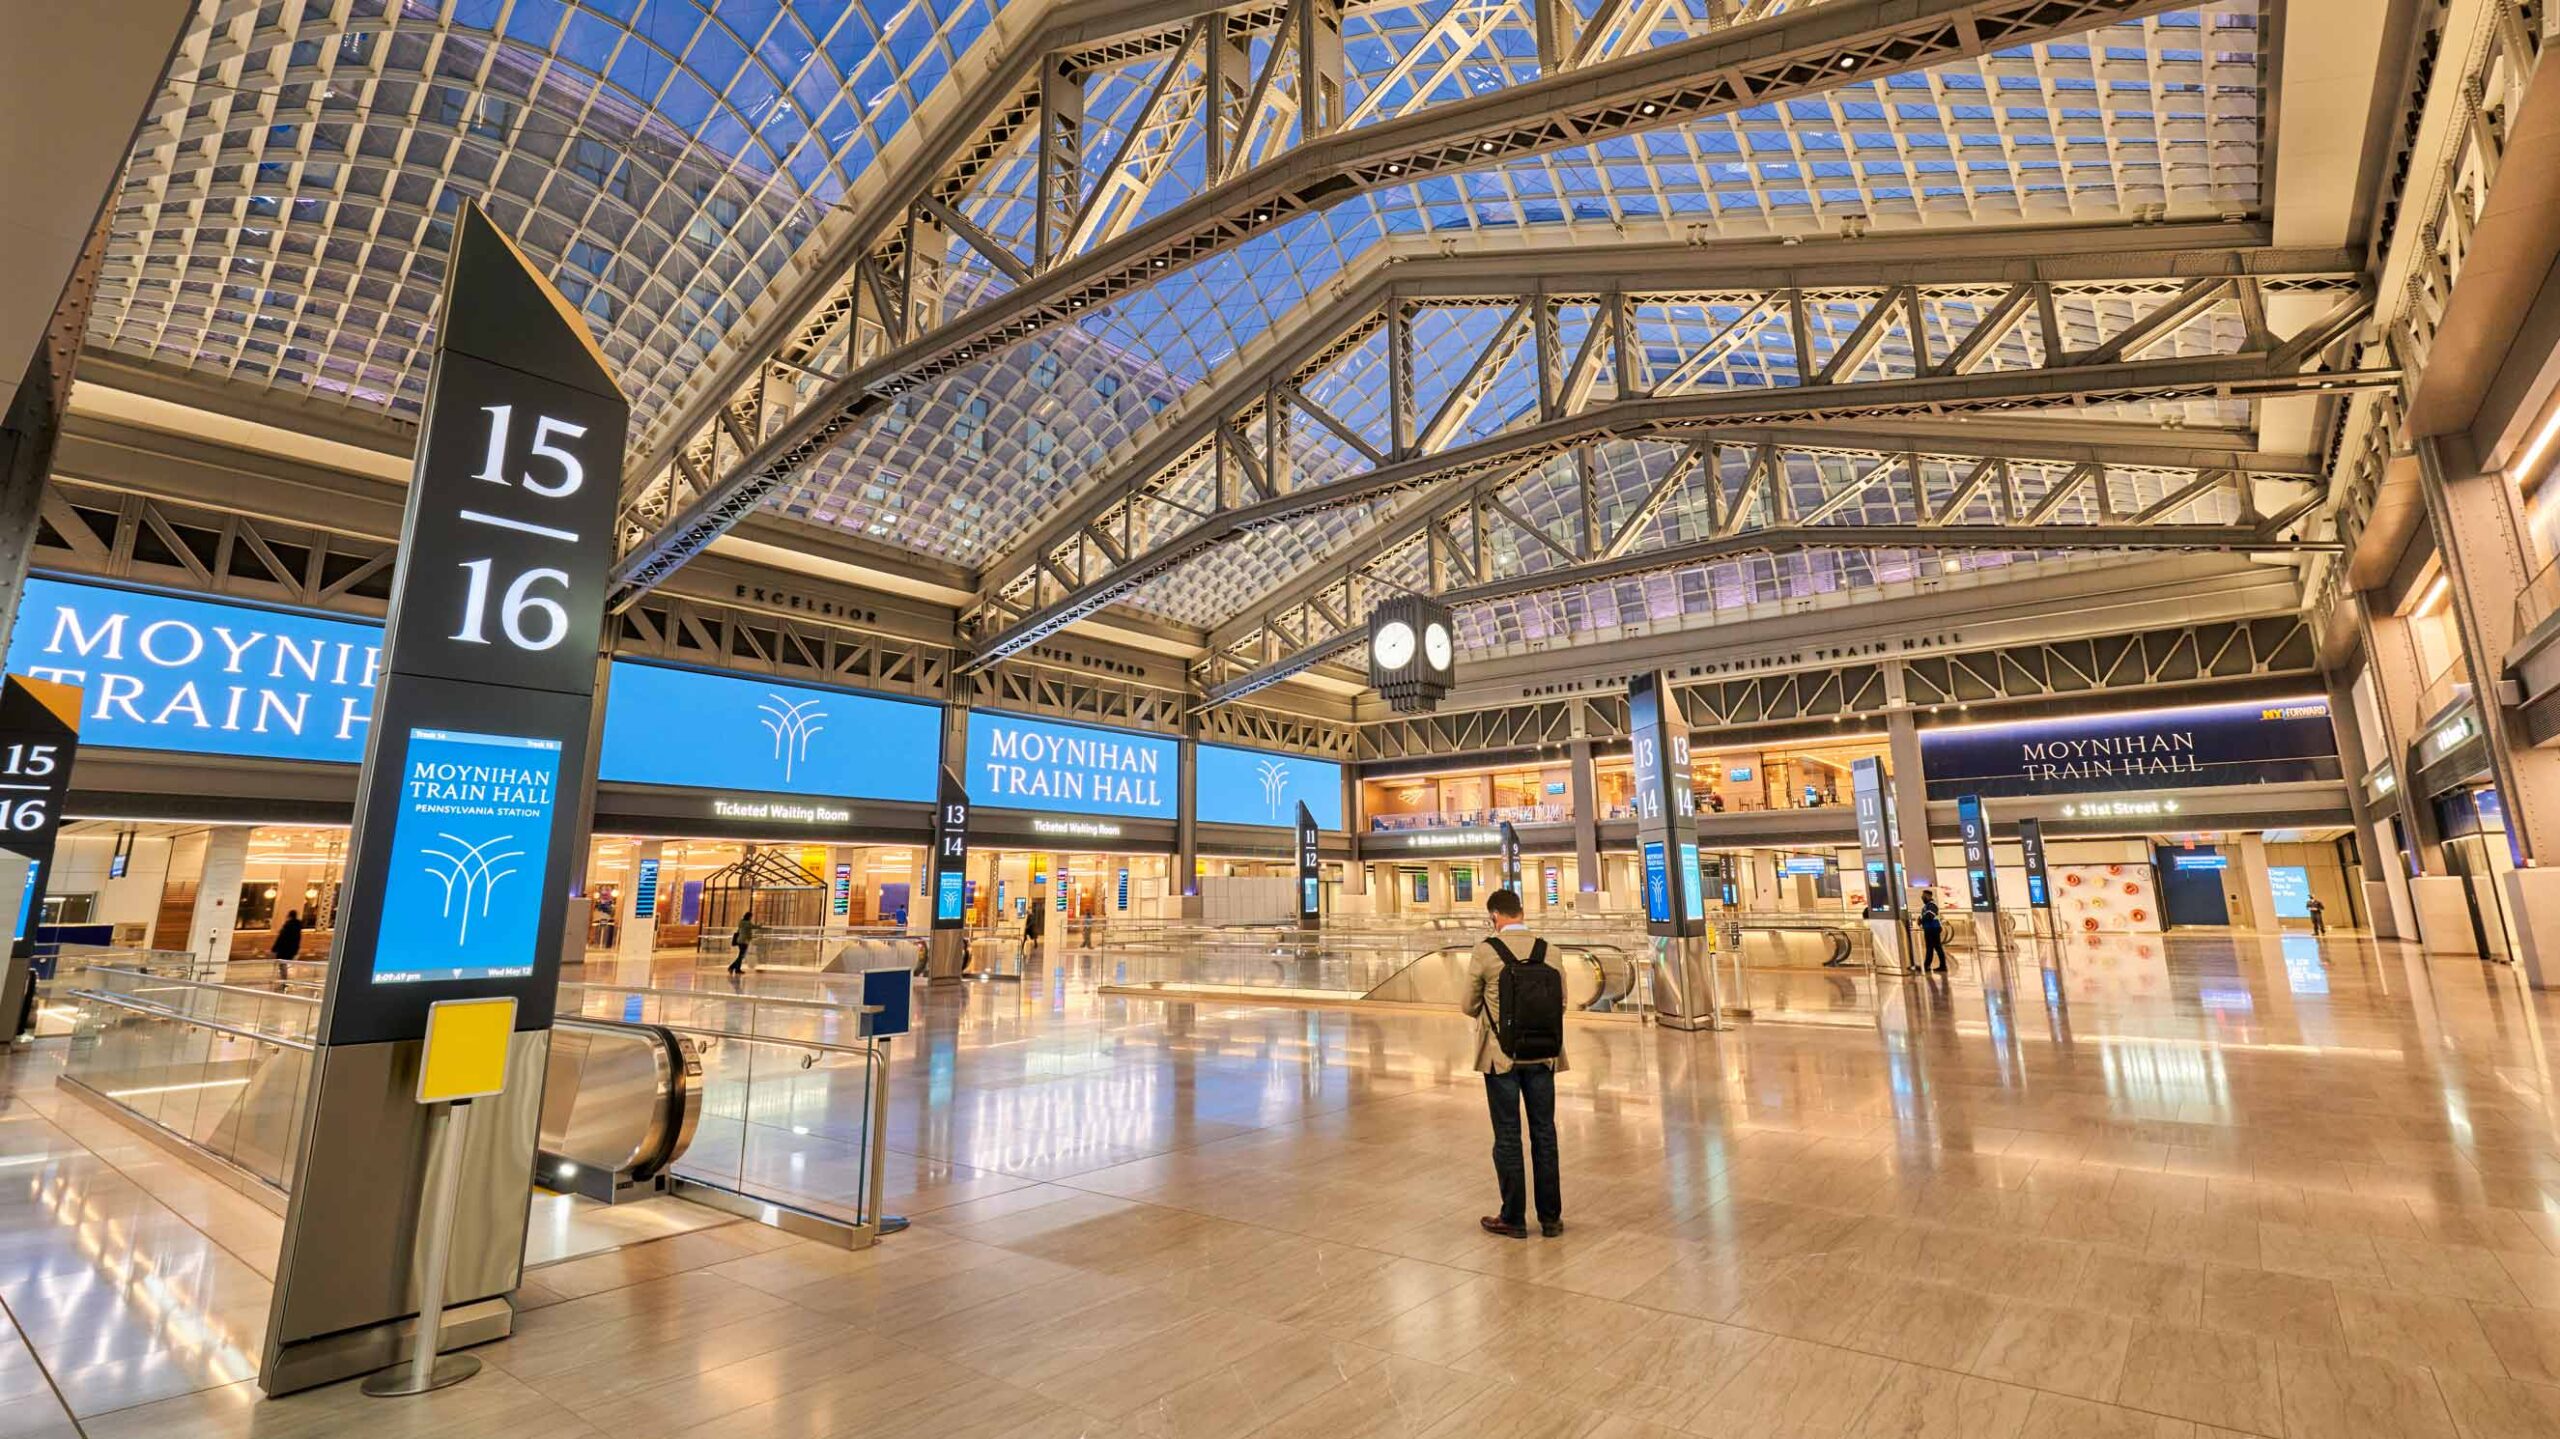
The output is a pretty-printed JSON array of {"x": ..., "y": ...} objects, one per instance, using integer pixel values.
[{"x": 1484, "y": 997}]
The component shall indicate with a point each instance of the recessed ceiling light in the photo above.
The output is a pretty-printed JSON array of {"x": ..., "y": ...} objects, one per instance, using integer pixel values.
[{"x": 1848, "y": 62}]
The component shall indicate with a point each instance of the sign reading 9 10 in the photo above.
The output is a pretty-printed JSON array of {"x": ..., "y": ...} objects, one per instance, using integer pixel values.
[{"x": 510, "y": 541}]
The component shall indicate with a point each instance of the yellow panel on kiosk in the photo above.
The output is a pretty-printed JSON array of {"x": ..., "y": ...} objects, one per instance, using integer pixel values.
[{"x": 466, "y": 1049}]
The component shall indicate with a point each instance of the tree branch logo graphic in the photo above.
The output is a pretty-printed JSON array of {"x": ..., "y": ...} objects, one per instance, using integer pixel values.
[
  {"x": 1275, "y": 783},
  {"x": 471, "y": 874},
  {"x": 791, "y": 724}
]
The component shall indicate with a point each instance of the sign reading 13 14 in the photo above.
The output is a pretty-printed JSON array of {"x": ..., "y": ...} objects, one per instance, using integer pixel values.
[{"x": 519, "y": 481}]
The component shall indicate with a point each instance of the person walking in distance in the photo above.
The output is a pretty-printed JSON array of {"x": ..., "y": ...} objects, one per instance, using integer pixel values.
[
  {"x": 288, "y": 945},
  {"x": 1035, "y": 925},
  {"x": 2319, "y": 916},
  {"x": 740, "y": 938},
  {"x": 1933, "y": 936},
  {"x": 1517, "y": 999}
]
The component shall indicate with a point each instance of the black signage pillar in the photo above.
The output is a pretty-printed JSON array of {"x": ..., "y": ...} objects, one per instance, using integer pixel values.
[
  {"x": 2031, "y": 843},
  {"x": 1674, "y": 880},
  {"x": 2039, "y": 890},
  {"x": 1511, "y": 857},
  {"x": 947, "y": 881},
  {"x": 1310, "y": 876},
  {"x": 1872, "y": 794},
  {"x": 462, "y": 856},
  {"x": 1666, "y": 810},
  {"x": 39, "y": 733},
  {"x": 1982, "y": 877}
]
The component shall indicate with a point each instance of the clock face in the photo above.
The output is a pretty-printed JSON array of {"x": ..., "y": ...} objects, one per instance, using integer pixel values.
[
  {"x": 1435, "y": 645},
  {"x": 1393, "y": 648}
]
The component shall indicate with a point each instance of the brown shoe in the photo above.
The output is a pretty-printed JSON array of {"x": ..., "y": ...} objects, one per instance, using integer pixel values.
[
  {"x": 1551, "y": 1228},
  {"x": 1493, "y": 1225}
]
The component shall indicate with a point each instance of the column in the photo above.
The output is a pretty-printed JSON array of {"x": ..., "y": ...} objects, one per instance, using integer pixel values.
[
  {"x": 1765, "y": 893},
  {"x": 2480, "y": 539},
  {"x": 2391, "y": 666},
  {"x": 1910, "y": 798},
  {"x": 2256, "y": 885},
  {"x": 638, "y": 937},
  {"x": 1586, "y": 820},
  {"x": 1186, "y": 826},
  {"x": 2386, "y": 893},
  {"x": 226, "y": 856}
]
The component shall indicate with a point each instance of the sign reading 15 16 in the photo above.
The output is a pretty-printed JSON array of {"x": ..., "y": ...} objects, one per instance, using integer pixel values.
[
  {"x": 30, "y": 781},
  {"x": 510, "y": 540}
]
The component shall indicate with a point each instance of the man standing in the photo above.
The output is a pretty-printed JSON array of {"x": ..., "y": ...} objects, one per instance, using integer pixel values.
[
  {"x": 2319, "y": 916},
  {"x": 1517, "y": 998},
  {"x": 1933, "y": 936}
]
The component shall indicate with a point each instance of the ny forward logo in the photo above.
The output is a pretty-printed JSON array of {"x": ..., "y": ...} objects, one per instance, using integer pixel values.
[
  {"x": 791, "y": 725},
  {"x": 1275, "y": 783},
  {"x": 471, "y": 874}
]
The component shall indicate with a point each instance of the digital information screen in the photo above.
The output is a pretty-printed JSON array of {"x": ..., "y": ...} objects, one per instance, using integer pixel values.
[
  {"x": 1693, "y": 884},
  {"x": 1657, "y": 882},
  {"x": 950, "y": 896},
  {"x": 1310, "y": 899},
  {"x": 2291, "y": 884},
  {"x": 469, "y": 844},
  {"x": 644, "y": 891}
]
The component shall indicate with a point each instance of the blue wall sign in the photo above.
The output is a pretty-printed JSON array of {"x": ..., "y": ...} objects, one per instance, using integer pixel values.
[
  {"x": 2251, "y": 742},
  {"x": 1657, "y": 882},
  {"x": 463, "y": 896},
  {"x": 1803, "y": 864},
  {"x": 665, "y": 726},
  {"x": 201, "y": 676},
  {"x": 1251, "y": 786},
  {"x": 2291, "y": 884},
  {"x": 1019, "y": 763}
]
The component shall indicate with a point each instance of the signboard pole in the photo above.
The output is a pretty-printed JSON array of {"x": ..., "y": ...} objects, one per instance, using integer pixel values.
[
  {"x": 2039, "y": 887},
  {"x": 467, "y": 829},
  {"x": 1510, "y": 857},
  {"x": 947, "y": 943},
  {"x": 1982, "y": 877},
  {"x": 39, "y": 735},
  {"x": 1684, "y": 982},
  {"x": 1873, "y": 799},
  {"x": 1310, "y": 872}
]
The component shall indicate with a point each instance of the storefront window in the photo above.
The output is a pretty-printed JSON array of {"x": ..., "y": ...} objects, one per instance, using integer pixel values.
[{"x": 1540, "y": 794}]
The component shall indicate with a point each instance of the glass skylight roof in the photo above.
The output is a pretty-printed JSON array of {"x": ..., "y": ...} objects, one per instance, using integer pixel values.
[{"x": 284, "y": 219}]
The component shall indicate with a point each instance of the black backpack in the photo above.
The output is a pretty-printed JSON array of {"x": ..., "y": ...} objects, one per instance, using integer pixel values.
[{"x": 1530, "y": 1004}]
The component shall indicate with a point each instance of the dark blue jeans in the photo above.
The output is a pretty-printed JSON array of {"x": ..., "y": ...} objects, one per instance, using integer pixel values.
[{"x": 1532, "y": 1086}]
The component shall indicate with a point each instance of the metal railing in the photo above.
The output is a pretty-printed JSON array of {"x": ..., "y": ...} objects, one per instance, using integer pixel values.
[{"x": 791, "y": 1092}]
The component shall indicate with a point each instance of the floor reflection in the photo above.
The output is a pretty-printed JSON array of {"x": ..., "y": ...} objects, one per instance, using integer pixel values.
[{"x": 2143, "y": 1185}]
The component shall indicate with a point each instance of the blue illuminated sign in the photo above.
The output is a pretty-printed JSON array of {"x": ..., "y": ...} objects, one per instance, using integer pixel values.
[
  {"x": 2292, "y": 886},
  {"x": 1124, "y": 888},
  {"x": 1019, "y": 763},
  {"x": 644, "y": 891},
  {"x": 469, "y": 841},
  {"x": 1657, "y": 882},
  {"x": 1251, "y": 786},
  {"x": 841, "y": 904},
  {"x": 1693, "y": 884},
  {"x": 198, "y": 676},
  {"x": 1804, "y": 864},
  {"x": 950, "y": 896},
  {"x": 2207, "y": 862},
  {"x": 666, "y": 726}
]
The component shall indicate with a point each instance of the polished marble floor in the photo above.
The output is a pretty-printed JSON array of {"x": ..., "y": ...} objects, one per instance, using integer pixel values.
[{"x": 2181, "y": 1188}]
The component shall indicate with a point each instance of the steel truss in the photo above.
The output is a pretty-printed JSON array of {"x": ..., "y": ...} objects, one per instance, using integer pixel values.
[
  {"x": 1564, "y": 355},
  {"x": 2269, "y": 649},
  {"x": 1276, "y": 145}
]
